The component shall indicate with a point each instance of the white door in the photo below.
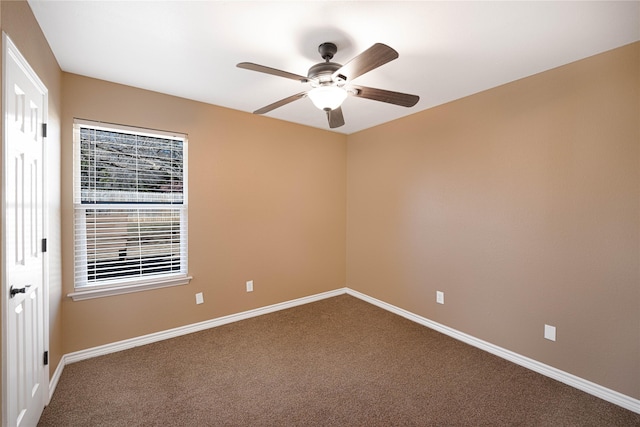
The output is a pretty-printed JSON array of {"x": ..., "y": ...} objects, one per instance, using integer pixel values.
[{"x": 23, "y": 284}]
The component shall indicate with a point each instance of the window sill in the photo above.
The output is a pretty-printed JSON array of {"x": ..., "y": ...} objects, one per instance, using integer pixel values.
[{"x": 90, "y": 293}]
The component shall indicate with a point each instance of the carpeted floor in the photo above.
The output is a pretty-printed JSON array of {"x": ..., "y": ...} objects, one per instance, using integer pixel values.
[{"x": 336, "y": 362}]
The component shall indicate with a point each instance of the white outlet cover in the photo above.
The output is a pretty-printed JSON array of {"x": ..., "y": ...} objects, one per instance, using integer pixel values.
[
  {"x": 550, "y": 332},
  {"x": 250, "y": 286},
  {"x": 199, "y": 298},
  {"x": 440, "y": 297}
]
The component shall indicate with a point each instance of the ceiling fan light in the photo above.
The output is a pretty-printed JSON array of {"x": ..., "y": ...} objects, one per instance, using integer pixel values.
[{"x": 327, "y": 97}]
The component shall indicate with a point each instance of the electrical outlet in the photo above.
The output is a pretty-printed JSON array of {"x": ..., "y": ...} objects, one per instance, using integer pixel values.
[
  {"x": 550, "y": 332},
  {"x": 199, "y": 298},
  {"x": 250, "y": 286},
  {"x": 440, "y": 297}
]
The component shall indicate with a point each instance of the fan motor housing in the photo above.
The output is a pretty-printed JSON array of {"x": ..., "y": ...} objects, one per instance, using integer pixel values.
[{"x": 323, "y": 71}]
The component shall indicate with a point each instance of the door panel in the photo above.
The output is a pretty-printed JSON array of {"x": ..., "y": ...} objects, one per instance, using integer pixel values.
[{"x": 23, "y": 263}]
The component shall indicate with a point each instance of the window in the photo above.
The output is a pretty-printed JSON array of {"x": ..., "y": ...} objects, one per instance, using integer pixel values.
[{"x": 130, "y": 209}]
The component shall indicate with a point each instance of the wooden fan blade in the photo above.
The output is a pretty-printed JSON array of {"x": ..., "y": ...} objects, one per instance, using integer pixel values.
[
  {"x": 397, "y": 98},
  {"x": 377, "y": 55},
  {"x": 273, "y": 71},
  {"x": 280, "y": 103},
  {"x": 335, "y": 117}
]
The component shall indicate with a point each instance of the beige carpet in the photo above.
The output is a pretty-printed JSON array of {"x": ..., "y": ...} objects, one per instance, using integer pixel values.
[{"x": 336, "y": 362}]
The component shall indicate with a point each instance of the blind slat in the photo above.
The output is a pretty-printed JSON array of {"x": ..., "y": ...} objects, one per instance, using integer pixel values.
[{"x": 130, "y": 216}]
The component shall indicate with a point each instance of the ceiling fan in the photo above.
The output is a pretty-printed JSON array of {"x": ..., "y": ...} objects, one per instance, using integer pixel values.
[{"x": 331, "y": 82}]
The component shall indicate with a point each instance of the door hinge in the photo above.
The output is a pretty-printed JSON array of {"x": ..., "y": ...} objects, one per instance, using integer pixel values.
[
  {"x": 44, "y": 245},
  {"x": 46, "y": 358},
  {"x": 44, "y": 130}
]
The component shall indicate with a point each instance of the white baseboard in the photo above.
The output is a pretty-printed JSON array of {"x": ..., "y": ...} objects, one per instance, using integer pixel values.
[
  {"x": 53, "y": 383},
  {"x": 195, "y": 327},
  {"x": 549, "y": 371},
  {"x": 102, "y": 350},
  {"x": 594, "y": 389}
]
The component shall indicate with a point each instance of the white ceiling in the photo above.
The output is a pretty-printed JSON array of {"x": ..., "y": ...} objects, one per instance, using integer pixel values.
[{"x": 448, "y": 50}]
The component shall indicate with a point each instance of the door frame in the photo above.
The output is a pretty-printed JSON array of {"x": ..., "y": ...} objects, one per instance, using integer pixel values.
[{"x": 9, "y": 48}]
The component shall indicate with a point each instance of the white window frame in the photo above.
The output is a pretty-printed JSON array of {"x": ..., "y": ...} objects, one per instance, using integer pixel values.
[{"x": 85, "y": 290}]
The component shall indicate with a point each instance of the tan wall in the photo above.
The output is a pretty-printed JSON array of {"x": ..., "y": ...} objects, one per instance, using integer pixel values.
[
  {"x": 521, "y": 204},
  {"x": 18, "y": 22},
  {"x": 267, "y": 202}
]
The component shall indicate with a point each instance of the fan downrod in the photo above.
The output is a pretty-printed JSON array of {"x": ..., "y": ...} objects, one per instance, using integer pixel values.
[{"x": 327, "y": 50}]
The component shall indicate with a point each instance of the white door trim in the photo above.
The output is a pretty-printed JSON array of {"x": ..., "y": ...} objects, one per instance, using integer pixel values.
[{"x": 9, "y": 48}]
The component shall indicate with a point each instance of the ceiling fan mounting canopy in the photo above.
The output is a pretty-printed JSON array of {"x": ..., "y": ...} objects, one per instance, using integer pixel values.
[
  {"x": 327, "y": 50},
  {"x": 329, "y": 81}
]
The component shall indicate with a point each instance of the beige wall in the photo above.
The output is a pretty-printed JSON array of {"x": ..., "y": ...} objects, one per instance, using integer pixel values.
[
  {"x": 18, "y": 22},
  {"x": 267, "y": 202},
  {"x": 521, "y": 203}
]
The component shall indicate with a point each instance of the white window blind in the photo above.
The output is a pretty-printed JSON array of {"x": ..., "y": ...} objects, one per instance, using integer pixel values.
[{"x": 130, "y": 205}]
